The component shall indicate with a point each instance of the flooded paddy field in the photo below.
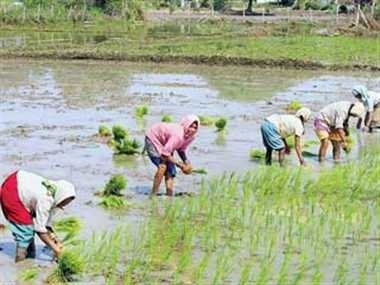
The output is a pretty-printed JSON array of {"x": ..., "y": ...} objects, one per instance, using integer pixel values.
[{"x": 50, "y": 112}]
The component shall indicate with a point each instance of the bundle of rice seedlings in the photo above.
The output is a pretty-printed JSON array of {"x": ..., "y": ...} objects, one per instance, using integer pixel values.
[
  {"x": 113, "y": 202},
  {"x": 257, "y": 154},
  {"x": 199, "y": 171},
  {"x": 71, "y": 226},
  {"x": 221, "y": 124},
  {"x": 206, "y": 120},
  {"x": 30, "y": 274},
  {"x": 119, "y": 133},
  {"x": 141, "y": 111},
  {"x": 128, "y": 146},
  {"x": 104, "y": 131},
  {"x": 294, "y": 106},
  {"x": 70, "y": 264},
  {"x": 115, "y": 185},
  {"x": 167, "y": 119}
]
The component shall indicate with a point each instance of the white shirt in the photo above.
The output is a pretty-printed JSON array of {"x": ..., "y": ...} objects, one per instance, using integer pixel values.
[
  {"x": 287, "y": 125},
  {"x": 335, "y": 114},
  {"x": 35, "y": 197}
]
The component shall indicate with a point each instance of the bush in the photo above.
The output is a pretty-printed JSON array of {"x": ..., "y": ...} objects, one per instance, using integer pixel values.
[{"x": 115, "y": 185}]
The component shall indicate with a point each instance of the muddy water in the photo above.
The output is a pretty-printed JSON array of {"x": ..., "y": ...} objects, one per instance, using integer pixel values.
[{"x": 50, "y": 111}]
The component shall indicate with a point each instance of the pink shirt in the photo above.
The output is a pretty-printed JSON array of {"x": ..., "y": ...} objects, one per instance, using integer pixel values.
[{"x": 168, "y": 138}]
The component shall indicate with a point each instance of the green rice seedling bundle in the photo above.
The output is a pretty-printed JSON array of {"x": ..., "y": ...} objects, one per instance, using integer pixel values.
[
  {"x": 113, "y": 202},
  {"x": 29, "y": 274},
  {"x": 199, "y": 171},
  {"x": 221, "y": 124},
  {"x": 115, "y": 185},
  {"x": 294, "y": 106},
  {"x": 206, "y": 120},
  {"x": 119, "y": 133},
  {"x": 71, "y": 226},
  {"x": 128, "y": 147},
  {"x": 141, "y": 111},
  {"x": 70, "y": 265},
  {"x": 257, "y": 154},
  {"x": 167, "y": 119},
  {"x": 104, "y": 131}
]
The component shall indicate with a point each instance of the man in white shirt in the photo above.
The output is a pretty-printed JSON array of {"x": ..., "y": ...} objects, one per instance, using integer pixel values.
[
  {"x": 371, "y": 101},
  {"x": 276, "y": 128},
  {"x": 331, "y": 124},
  {"x": 29, "y": 202}
]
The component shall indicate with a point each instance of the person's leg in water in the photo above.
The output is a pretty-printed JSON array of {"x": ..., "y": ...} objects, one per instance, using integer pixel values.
[
  {"x": 281, "y": 156},
  {"x": 268, "y": 156},
  {"x": 336, "y": 149},
  {"x": 24, "y": 238},
  {"x": 323, "y": 149},
  {"x": 160, "y": 173},
  {"x": 169, "y": 178}
]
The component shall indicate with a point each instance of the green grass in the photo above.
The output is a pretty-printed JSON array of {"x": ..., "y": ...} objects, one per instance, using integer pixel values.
[
  {"x": 272, "y": 225},
  {"x": 298, "y": 50}
]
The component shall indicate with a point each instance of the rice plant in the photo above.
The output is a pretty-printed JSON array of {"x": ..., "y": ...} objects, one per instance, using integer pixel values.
[
  {"x": 29, "y": 274},
  {"x": 257, "y": 154},
  {"x": 128, "y": 147},
  {"x": 113, "y": 202},
  {"x": 221, "y": 124},
  {"x": 104, "y": 131},
  {"x": 70, "y": 226},
  {"x": 119, "y": 133},
  {"x": 207, "y": 120},
  {"x": 115, "y": 185},
  {"x": 141, "y": 111},
  {"x": 294, "y": 106},
  {"x": 70, "y": 265},
  {"x": 167, "y": 119}
]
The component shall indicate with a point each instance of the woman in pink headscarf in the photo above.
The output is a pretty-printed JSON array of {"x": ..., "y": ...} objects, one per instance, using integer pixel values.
[{"x": 161, "y": 141}]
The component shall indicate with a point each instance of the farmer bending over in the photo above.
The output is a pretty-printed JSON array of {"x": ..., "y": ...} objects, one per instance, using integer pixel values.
[
  {"x": 29, "y": 203},
  {"x": 276, "y": 128},
  {"x": 371, "y": 101},
  {"x": 161, "y": 141},
  {"x": 332, "y": 123}
]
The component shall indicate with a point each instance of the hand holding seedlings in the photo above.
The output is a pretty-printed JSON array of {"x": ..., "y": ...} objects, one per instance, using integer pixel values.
[
  {"x": 52, "y": 196},
  {"x": 186, "y": 168}
]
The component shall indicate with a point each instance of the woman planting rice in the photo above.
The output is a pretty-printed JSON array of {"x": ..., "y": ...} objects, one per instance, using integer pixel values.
[
  {"x": 331, "y": 124},
  {"x": 276, "y": 128},
  {"x": 161, "y": 141},
  {"x": 371, "y": 101},
  {"x": 29, "y": 203}
]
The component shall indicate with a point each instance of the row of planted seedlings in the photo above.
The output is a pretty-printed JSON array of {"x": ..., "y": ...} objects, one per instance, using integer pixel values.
[{"x": 273, "y": 225}]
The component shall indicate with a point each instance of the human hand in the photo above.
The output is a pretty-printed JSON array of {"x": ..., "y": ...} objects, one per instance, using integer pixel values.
[
  {"x": 287, "y": 150},
  {"x": 186, "y": 168}
]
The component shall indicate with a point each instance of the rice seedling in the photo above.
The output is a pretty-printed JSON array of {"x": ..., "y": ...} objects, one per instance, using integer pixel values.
[
  {"x": 199, "y": 171},
  {"x": 257, "y": 154},
  {"x": 141, "y": 111},
  {"x": 70, "y": 265},
  {"x": 115, "y": 185},
  {"x": 207, "y": 120},
  {"x": 119, "y": 133},
  {"x": 29, "y": 274},
  {"x": 128, "y": 147},
  {"x": 104, "y": 131},
  {"x": 113, "y": 202},
  {"x": 71, "y": 226},
  {"x": 167, "y": 119},
  {"x": 220, "y": 124},
  {"x": 294, "y": 106}
]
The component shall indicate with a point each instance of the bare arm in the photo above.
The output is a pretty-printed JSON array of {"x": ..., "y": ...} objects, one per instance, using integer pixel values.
[
  {"x": 298, "y": 147},
  {"x": 57, "y": 247},
  {"x": 183, "y": 156}
]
